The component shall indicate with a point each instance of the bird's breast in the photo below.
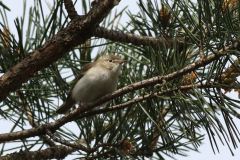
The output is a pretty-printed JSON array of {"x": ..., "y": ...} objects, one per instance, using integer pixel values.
[{"x": 93, "y": 84}]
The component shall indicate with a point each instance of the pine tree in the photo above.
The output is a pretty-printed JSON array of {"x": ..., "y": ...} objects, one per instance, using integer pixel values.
[{"x": 182, "y": 59}]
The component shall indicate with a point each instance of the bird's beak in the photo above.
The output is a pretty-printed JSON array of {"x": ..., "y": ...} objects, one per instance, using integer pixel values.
[{"x": 121, "y": 62}]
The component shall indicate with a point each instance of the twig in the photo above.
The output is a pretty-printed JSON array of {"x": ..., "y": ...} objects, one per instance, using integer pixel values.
[
  {"x": 76, "y": 32},
  {"x": 35, "y": 124},
  {"x": 142, "y": 84},
  {"x": 72, "y": 13},
  {"x": 139, "y": 99},
  {"x": 138, "y": 40},
  {"x": 79, "y": 146},
  {"x": 201, "y": 50},
  {"x": 55, "y": 152}
]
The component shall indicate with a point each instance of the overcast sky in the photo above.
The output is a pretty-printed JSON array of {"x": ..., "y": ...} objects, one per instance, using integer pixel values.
[{"x": 205, "y": 149}]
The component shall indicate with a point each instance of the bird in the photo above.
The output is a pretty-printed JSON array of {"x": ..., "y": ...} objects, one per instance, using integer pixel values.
[{"x": 96, "y": 79}]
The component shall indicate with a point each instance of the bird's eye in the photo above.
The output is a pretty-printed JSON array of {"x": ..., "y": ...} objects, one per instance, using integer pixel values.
[{"x": 110, "y": 60}]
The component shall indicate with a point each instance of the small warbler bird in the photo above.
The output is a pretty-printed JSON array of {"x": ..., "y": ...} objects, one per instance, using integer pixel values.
[{"x": 95, "y": 80}]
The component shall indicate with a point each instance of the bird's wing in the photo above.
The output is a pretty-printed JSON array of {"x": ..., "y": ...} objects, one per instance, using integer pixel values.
[{"x": 85, "y": 68}]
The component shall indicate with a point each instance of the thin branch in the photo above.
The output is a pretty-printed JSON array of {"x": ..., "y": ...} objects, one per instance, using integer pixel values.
[
  {"x": 55, "y": 152},
  {"x": 35, "y": 124},
  {"x": 75, "y": 33},
  {"x": 139, "y": 99},
  {"x": 138, "y": 40},
  {"x": 79, "y": 146},
  {"x": 142, "y": 84},
  {"x": 74, "y": 145},
  {"x": 201, "y": 50},
  {"x": 72, "y": 13}
]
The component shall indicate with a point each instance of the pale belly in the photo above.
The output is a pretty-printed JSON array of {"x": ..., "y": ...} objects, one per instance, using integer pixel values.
[{"x": 91, "y": 87}]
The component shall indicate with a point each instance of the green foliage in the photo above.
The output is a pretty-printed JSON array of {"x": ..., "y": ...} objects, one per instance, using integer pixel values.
[{"x": 142, "y": 123}]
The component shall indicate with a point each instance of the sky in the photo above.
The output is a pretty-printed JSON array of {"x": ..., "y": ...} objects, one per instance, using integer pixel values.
[{"x": 205, "y": 149}]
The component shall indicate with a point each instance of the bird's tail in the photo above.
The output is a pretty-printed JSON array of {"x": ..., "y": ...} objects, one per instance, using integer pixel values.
[{"x": 65, "y": 107}]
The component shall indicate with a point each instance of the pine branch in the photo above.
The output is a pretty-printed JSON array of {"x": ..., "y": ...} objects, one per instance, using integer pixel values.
[
  {"x": 72, "y": 13},
  {"x": 142, "y": 84},
  {"x": 139, "y": 99},
  {"x": 35, "y": 124},
  {"x": 57, "y": 152},
  {"x": 199, "y": 43},
  {"x": 137, "y": 39},
  {"x": 74, "y": 34}
]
